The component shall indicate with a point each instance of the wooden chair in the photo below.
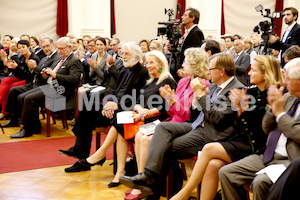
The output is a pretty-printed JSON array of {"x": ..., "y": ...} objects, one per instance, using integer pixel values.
[{"x": 49, "y": 113}]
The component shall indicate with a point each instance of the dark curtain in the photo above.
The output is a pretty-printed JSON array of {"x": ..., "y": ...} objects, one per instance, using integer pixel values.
[
  {"x": 62, "y": 18},
  {"x": 222, "y": 19},
  {"x": 112, "y": 18},
  {"x": 278, "y": 22},
  {"x": 180, "y": 12}
]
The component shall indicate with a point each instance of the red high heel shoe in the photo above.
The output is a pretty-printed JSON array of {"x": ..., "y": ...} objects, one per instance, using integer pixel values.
[{"x": 133, "y": 197}]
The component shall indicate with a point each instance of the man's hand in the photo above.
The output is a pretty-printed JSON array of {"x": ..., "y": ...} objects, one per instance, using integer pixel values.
[
  {"x": 276, "y": 100},
  {"x": 50, "y": 72},
  {"x": 109, "y": 109},
  {"x": 272, "y": 39}
]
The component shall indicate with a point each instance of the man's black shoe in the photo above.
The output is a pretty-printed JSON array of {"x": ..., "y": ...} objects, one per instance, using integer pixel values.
[
  {"x": 78, "y": 167},
  {"x": 140, "y": 181},
  {"x": 22, "y": 133},
  {"x": 70, "y": 152},
  {"x": 11, "y": 123}
]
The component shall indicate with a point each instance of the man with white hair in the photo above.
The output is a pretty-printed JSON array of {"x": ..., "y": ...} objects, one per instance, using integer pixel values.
[
  {"x": 282, "y": 123},
  {"x": 241, "y": 61},
  {"x": 129, "y": 83}
]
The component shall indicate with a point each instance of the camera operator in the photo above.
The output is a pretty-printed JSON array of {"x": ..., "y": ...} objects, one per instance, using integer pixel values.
[
  {"x": 193, "y": 36},
  {"x": 291, "y": 35}
]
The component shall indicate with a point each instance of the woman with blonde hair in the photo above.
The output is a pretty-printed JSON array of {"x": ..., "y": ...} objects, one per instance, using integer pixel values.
[
  {"x": 148, "y": 108},
  {"x": 265, "y": 71},
  {"x": 195, "y": 65}
]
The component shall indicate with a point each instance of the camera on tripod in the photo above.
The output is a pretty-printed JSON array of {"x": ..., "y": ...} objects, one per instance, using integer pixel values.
[
  {"x": 172, "y": 29},
  {"x": 266, "y": 27}
]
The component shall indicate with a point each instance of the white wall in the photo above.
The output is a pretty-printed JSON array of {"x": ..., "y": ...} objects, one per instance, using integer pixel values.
[{"x": 138, "y": 19}]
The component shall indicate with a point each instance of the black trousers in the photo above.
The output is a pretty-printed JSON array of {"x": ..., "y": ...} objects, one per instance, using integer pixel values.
[
  {"x": 287, "y": 186},
  {"x": 86, "y": 122},
  {"x": 24, "y": 102}
]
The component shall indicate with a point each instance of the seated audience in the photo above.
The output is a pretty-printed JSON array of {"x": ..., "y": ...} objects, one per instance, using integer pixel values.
[
  {"x": 34, "y": 46},
  {"x": 76, "y": 50},
  {"x": 248, "y": 48},
  {"x": 13, "y": 107},
  {"x": 144, "y": 44},
  {"x": 66, "y": 72},
  {"x": 250, "y": 137},
  {"x": 195, "y": 65},
  {"x": 20, "y": 75},
  {"x": 6, "y": 41},
  {"x": 281, "y": 123},
  {"x": 130, "y": 80},
  {"x": 184, "y": 140},
  {"x": 147, "y": 109}
]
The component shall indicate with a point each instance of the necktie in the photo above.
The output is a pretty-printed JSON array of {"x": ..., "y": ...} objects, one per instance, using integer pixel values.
[
  {"x": 55, "y": 70},
  {"x": 285, "y": 35},
  {"x": 200, "y": 117},
  {"x": 271, "y": 146}
]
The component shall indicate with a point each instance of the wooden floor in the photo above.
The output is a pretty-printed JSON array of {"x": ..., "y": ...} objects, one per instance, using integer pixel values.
[{"x": 54, "y": 183}]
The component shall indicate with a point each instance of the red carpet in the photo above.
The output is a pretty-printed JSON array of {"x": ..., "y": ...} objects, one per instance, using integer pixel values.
[{"x": 35, "y": 154}]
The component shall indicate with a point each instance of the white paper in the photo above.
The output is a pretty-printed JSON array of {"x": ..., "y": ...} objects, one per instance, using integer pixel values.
[
  {"x": 89, "y": 86},
  {"x": 125, "y": 117},
  {"x": 273, "y": 171},
  {"x": 98, "y": 89}
]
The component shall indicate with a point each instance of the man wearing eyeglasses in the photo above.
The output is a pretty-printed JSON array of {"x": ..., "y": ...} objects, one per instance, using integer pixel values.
[
  {"x": 212, "y": 117},
  {"x": 66, "y": 72}
]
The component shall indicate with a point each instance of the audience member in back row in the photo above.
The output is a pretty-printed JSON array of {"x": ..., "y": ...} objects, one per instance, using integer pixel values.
[
  {"x": 130, "y": 81},
  {"x": 19, "y": 92},
  {"x": 250, "y": 137},
  {"x": 66, "y": 73},
  {"x": 195, "y": 65},
  {"x": 147, "y": 109},
  {"x": 281, "y": 122},
  {"x": 291, "y": 53},
  {"x": 241, "y": 61},
  {"x": 184, "y": 140},
  {"x": 6, "y": 41},
  {"x": 21, "y": 74}
]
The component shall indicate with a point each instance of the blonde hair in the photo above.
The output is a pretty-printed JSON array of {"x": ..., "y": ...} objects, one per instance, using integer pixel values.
[
  {"x": 161, "y": 59},
  {"x": 198, "y": 61},
  {"x": 270, "y": 67}
]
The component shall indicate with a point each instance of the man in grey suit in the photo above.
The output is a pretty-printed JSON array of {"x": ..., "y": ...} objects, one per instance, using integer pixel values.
[
  {"x": 241, "y": 61},
  {"x": 183, "y": 140},
  {"x": 283, "y": 146}
]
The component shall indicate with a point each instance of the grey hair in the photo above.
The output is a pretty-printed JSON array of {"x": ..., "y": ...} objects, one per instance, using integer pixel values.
[
  {"x": 65, "y": 40},
  {"x": 240, "y": 41},
  {"x": 134, "y": 48},
  {"x": 293, "y": 68}
]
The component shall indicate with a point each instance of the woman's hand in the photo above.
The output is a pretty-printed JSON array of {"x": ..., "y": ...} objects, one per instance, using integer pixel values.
[
  {"x": 198, "y": 85},
  {"x": 136, "y": 117},
  {"x": 92, "y": 63},
  {"x": 11, "y": 64},
  {"x": 239, "y": 98}
]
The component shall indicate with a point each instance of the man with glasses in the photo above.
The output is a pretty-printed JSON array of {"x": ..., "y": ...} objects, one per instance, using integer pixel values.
[
  {"x": 212, "y": 117},
  {"x": 66, "y": 71}
]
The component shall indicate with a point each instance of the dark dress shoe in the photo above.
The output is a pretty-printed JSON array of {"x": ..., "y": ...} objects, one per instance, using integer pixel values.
[
  {"x": 70, "y": 152},
  {"x": 78, "y": 167},
  {"x": 113, "y": 184},
  {"x": 22, "y": 133},
  {"x": 140, "y": 181},
  {"x": 85, "y": 162},
  {"x": 11, "y": 123}
]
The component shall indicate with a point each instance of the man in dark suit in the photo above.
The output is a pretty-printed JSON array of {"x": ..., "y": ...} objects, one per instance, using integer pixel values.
[
  {"x": 193, "y": 37},
  {"x": 292, "y": 34},
  {"x": 216, "y": 122},
  {"x": 241, "y": 61},
  {"x": 66, "y": 73},
  {"x": 19, "y": 92},
  {"x": 281, "y": 123},
  {"x": 129, "y": 83}
]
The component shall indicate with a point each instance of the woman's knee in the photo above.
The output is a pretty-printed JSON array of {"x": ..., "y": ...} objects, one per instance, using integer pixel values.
[
  {"x": 215, "y": 165},
  {"x": 145, "y": 140}
]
